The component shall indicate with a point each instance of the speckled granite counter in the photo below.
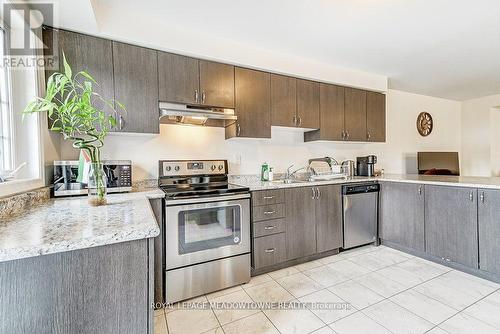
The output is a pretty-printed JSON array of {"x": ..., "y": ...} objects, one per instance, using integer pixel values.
[
  {"x": 254, "y": 183},
  {"x": 69, "y": 224}
]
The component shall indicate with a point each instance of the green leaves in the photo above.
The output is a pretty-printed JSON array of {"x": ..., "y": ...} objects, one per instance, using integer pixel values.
[{"x": 76, "y": 110}]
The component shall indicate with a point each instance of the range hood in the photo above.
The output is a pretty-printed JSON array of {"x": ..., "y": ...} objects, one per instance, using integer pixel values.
[{"x": 176, "y": 113}]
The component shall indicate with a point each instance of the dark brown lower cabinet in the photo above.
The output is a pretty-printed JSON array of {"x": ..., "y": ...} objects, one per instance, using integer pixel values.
[
  {"x": 402, "y": 214},
  {"x": 451, "y": 224},
  {"x": 489, "y": 230},
  {"x": 269, "y": 250},
  {"x": 328, "y": 215},
  {"x": 300, "y": 222}
]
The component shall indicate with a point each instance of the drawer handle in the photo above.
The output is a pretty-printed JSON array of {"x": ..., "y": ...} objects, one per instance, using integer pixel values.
[
  {"x": 268, "y": 197},
  {"x": 271, "y": 227},
  {"x": 269, "y": 212},
  {"x": 270, "y": 250}
]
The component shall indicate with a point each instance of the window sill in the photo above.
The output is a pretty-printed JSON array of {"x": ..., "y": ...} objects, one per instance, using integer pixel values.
[{"x": 13, "y": 187}]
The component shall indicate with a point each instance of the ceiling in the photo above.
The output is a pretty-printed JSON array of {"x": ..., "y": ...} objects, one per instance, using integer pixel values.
[{"x": 442, "y": 48}]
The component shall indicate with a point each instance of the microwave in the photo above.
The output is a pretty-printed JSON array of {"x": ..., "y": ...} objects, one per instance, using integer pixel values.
[{"x": 118, "y": 176}]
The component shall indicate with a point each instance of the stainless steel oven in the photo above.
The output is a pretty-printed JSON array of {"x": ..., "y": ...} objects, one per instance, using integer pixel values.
[{"x": 207, "y": 229}]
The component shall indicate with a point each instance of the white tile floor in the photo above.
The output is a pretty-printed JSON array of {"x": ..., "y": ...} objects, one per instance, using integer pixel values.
[{"x": 387, "y": 291}]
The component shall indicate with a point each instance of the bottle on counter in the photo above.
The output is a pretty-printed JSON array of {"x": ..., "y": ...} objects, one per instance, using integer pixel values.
[
  {"x": 271, "y": 174},
  {"x": 264, "y": 173}
]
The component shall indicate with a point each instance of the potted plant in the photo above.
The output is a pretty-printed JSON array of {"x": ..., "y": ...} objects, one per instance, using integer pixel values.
[{"x": 71, "y": 104}]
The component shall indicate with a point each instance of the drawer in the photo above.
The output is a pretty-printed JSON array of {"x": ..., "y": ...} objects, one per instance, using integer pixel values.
[
  {"x": 266, "y": 212},
  {"x": 267, "y": 227},
  {"x": 265, "y": 197},
  {"x": 269, "y": 250}
]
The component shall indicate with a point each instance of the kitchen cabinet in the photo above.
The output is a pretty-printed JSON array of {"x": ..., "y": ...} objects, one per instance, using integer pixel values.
[
  {"x": 451, "y": 224},
  {"x": 135, "y": 71},
  {"x": 86, "y": 53},
  {"x": 217, "y": 84},
  {"x": 375, "y": 117},
  {"x": 307, "y": 104},
  {"x": 489, "y": 230},
  {"x": 402, "y": 214},
  {"x": 300, "y": 222},
  {"x": 178, "y": 78},
  {"x": 269, "y": 250},
  {"x": 328, "y": 217},
  {"x": 283, "y": 100},
  {"x": 252, "y": 104},
  {"x": 331, "y": 114},
  {"x": 355, "y": 114}
]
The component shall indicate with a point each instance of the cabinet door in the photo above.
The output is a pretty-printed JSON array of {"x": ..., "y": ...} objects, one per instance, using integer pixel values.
[
  {"x": 178, "y": 78},
  {"x": 253, "y": 105},
  {"x": 489, "y": 230},
  {"x": 402, "y": 214},
  {"x": 355, "y": 114},
  {"x": 329, "y": 218},
  {"x": 451, "y": 224},
  {"x": 300, "y": 222},
  {"x": 136, "y": 87},
  {"x": 90, "y": 54},
  {"x": 331, "y": 112},
  {"x": 217, "y": 84},
  {"x": 283, "y": 101},
  {"x": 375, "y": 117},
  {"x": 307, "y": 104}
]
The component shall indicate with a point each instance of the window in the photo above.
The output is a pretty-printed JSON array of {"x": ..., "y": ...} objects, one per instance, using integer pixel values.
[{"x": 5, "y": 112}]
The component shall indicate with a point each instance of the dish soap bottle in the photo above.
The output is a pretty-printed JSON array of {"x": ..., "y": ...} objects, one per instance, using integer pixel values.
[
  {"x": 271, "y": 174},
  {"x": 264, "y": 173}
]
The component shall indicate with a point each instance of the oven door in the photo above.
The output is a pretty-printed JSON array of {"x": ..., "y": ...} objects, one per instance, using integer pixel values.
[{"x": 199, "y": 230}]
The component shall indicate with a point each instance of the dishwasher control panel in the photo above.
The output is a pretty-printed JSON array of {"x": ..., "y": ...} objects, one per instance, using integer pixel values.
[{"x": 361, "y": 188}]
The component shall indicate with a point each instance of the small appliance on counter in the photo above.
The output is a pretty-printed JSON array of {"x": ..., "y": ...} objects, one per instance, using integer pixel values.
[
  {"x": 118, "y": 175},
  {"x": 365, "y": 166}
]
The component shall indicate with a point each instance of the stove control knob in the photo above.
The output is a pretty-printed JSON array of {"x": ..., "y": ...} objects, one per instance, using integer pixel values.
[
  {"x": 213, "y": 167},
  {"x": 221, "y": 167},
  {"x": 168, "y": 168},
  {"x": 177, "y": 168}
]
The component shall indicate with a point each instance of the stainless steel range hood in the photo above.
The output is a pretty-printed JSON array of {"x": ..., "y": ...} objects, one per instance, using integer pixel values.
[{"x": 176, "y": 113}]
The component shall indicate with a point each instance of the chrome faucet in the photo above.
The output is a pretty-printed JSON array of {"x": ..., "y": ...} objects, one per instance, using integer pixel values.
[{"x": 289, "y": 175}]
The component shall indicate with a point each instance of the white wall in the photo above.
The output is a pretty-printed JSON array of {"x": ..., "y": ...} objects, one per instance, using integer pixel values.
[
  {"x": 480, "y": 151},
  {"x": 286, "y": 147}
]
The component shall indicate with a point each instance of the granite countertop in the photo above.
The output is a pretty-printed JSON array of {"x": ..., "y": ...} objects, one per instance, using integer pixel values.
[
  {"x": 254, "y": 183},
  {"x": 67, "y": 224}
]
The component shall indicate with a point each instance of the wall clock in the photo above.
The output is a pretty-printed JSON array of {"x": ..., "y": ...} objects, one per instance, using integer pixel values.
[{"x": 425, "y": 124}]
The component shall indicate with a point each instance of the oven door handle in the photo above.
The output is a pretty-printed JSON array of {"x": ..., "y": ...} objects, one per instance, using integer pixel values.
[{"x": 197, "y": 200}]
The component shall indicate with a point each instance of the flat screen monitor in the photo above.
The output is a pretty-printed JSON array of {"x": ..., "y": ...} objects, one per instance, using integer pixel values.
[{"x": 438, "y": 163}]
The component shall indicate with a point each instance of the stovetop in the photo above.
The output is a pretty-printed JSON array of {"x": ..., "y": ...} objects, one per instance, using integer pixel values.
[{"x": 202, "y": 190}]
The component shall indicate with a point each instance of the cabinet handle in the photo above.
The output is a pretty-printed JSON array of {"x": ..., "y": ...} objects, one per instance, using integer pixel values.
[
  {"x": 203, "y": 96},
  {"x": 300, "y": 121},
  {"x": 270, "y": 227},
  {"x": 270, "y": 250},
  {"x": 313, "y": 196},
  {"x": 269, "y": 212},
  {"x": 481, "y": 197},
  {"x": 238, "y": 130},
  {"x": 268, "y": 197},
  {"x": 347, "y": 135},
  {"x": 294, "y": 120},
  {"x": 420, "y": 190},
  {"x": 368, "y": 136},
  {"x": 471, "y": 196},
  {"x": 120, "y": 122},
  {"x": 318, "y": 192},
  {"x": 196, "y": 95}
]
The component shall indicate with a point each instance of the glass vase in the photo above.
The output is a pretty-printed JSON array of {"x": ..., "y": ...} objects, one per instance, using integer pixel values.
[{"x": 97, "y": 184}]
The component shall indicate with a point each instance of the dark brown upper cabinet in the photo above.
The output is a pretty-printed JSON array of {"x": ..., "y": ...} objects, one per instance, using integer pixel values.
[
  {"x": 283, "y": 100},
  {"x": 307, "y": 104},
  {"x": 354, "y": 114},
  {"x": 375, "y": 117},
  {"x": 252, "y": 104},
  {"x": 86, "y": 53},
  {"x": 178, "y": 78},
  {"x": 135, "y": 72},
  {"x": 331, "y": 114},
  {"x": 216, "y": 84}
]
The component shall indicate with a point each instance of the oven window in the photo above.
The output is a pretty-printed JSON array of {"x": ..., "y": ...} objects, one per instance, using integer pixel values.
[{"x": 202, "y": 229}]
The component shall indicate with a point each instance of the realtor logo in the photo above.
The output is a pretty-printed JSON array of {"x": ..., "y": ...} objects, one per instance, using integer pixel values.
[{"x": 24, "y": 45}]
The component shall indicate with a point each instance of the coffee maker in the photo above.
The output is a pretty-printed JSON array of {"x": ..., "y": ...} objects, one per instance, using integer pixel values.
[{"x": 365, "y": 166}]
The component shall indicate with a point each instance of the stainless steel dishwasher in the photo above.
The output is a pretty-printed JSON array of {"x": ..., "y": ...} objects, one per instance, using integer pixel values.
[{"x": 360, "y": 214}]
